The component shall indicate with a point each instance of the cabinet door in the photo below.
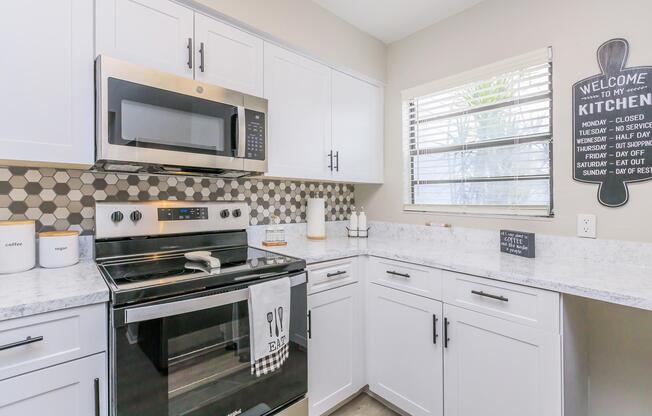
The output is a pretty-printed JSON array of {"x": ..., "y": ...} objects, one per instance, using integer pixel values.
[
  {"x": 298, "y": 91},
  {"x": 67, "y": 389},
  {"x": 155, "y": 33},
  {"x": 46, "y": 79},
  {"x": 227, "y": 56},
  {"x": 357, "y": 129},
  {"x": 335, "y": 347},
  {"x": 499, "y": 368},
  {"x": 404, "y": 350}
]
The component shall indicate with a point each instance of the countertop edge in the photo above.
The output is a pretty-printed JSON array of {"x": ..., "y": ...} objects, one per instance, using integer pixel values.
[
  {"x": 52, "y": 305},
  {"x": 514, "y": 278}
]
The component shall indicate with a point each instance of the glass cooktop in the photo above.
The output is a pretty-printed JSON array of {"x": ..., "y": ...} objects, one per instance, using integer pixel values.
[{"x": 155, "y": 276}]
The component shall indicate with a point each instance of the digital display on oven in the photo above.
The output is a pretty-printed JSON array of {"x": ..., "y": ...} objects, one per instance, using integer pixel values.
[{"x": 182, "y": 214}]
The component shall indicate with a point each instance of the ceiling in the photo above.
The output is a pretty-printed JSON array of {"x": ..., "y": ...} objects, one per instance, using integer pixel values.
[{"x": 391, "y": 20}]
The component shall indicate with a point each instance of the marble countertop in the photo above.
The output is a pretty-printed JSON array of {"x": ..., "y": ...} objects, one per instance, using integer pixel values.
[
  {"x": 619, "y": 283},
  {"x": 42, "y": 290}
]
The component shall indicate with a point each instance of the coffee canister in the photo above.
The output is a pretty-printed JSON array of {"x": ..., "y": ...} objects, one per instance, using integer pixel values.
[
  {"x": 17, "y": 246},
  {"x": 58, "y": 248}
]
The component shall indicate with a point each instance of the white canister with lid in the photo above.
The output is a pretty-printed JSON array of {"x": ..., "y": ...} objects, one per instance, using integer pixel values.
[
  {"x": 17, "y": 246},
  {"x": 58, "y": 248}
]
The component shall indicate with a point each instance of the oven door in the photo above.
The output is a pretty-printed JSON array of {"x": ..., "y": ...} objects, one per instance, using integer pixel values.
[
  {"x": 190, "y": 356},
  {"x": 146, "y": 116}
]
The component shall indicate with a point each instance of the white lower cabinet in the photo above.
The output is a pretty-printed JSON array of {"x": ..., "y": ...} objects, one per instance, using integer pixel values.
[
  {"x": 404, "y": 353},
  {"x": 76, "y": 388},
  {"x": 336, "y": 347},
  {"x": 494, "y": 367}
]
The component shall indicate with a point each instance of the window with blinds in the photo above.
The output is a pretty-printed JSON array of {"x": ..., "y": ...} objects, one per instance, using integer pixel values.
[{"x": 481, "y": 142}]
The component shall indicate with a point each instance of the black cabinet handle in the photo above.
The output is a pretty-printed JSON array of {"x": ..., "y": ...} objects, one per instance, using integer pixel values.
[
  {"x": 201, "y": 56},
  {"x": 446, "y": 339},
  {"x": 309, "y": 324},
  {"x": 189, "y": 53},
  {"x": 489, "y": 295},
  {"x": 28, "y": 340},
  {"x": 407, "y": 276},
  {"x": 337, "y": 161},
  {"x": 337, "y": 273},
  {"x": 330, "y": 164},
  {"x": 96, "y": 385},
  {"x": 434, "y": 329}
]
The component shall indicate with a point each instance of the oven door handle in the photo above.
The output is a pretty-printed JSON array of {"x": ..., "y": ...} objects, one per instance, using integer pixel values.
[
  {"x": 242, "y": 133},
  {"x": 162, "y": 310}
]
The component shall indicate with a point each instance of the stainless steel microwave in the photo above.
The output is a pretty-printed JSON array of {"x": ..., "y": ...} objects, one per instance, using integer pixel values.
[{"x": 156, "y": 122}]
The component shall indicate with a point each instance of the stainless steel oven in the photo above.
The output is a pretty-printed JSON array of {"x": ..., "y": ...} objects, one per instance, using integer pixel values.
[
  {"x": 153, "y": 121},
  {"x": 189, "y": 355}
]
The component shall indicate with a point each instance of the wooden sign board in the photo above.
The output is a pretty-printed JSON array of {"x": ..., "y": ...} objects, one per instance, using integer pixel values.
[
  {"x": 517, "y": 243},
  {"x": 612, "y": 125}
]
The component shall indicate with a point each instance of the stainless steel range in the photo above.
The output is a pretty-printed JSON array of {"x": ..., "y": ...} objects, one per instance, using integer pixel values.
[{"x": 179, "y": 274}]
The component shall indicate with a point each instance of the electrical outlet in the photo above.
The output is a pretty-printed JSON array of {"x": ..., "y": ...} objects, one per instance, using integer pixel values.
[{"x": 586, "y": 226}]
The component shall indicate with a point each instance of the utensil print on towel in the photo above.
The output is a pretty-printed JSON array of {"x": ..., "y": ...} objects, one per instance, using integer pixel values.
[
  {"x": 270, "y": 317},
  {"x": 280, "y": 316},
  {"x": 276, "y": 322}
]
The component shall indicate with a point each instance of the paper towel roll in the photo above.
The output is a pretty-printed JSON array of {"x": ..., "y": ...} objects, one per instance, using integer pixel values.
[{"x": 316, "y": 219}]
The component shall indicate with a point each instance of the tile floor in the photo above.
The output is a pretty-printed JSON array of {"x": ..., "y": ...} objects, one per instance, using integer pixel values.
[{"x": 364, "y": 405}]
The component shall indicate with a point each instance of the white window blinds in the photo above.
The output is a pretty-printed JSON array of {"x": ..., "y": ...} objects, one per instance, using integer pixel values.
[{"x": 482, "y": 141}]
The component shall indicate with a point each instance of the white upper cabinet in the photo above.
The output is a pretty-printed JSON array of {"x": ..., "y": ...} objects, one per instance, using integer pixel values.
[
  {"x": 497, "y": 367},
  {"x": 227, "y": 56},
  {"x": 323, "y": 124},
  {"x": 46, "y": 79},
  {"x": 155, "y": 33},
  {"x": 357, "y": 129},
  {"x": 299, "y": 94}
]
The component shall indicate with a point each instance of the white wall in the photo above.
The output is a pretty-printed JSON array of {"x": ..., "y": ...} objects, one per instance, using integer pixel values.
[
  {"x": 306, "y": 25},
  {"x": 620, "y": 360},
  {"x": 496, "y": 30}
]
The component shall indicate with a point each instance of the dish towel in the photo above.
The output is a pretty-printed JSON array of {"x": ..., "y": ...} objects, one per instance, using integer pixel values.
[{"x": 269, "y": 325}]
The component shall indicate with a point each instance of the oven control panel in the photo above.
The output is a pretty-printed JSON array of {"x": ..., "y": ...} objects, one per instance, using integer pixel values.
[
  {"x": 255, "y": 135},
  {"x": 153, "y": 218},
  {"x": 182, "y": 213}
]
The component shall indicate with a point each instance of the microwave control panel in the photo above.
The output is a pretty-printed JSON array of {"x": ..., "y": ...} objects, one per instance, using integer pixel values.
[{"x": 255, "y": 136}]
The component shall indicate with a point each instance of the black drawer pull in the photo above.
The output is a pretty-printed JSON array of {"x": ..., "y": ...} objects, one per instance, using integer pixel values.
[
  {"x": 489, "y": 295},
  {"x": 309, "y": 325},
  {"x": 202, "y": 52},
  {"x": 337, "y": 273},
  {"x": 434, "y": 329},
  {"x": 189, "y": 53},
  {"x": 28, "y": 340},
  {"x": 407, "y": 276},
  {"x": 446, "y": 339},
  {"x": 96, "y": 385}
]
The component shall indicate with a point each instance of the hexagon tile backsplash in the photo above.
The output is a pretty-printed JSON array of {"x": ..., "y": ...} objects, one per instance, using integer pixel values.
[{"x": 61, "y": 199}]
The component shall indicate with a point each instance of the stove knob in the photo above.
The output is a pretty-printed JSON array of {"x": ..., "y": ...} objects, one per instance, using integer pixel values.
[
  {"x": 136, "y": 216},
  {"x": 224, "y": 213},
  {"x": 236, "y": 213},
  {"x": 117, "y": 216}
]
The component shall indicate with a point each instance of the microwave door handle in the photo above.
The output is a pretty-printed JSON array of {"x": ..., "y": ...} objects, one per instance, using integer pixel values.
[{"x": 241, "y": 132}]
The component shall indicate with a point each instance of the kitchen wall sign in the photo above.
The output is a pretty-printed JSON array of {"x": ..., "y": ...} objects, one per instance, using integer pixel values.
[{"x": 612, "y": 125}]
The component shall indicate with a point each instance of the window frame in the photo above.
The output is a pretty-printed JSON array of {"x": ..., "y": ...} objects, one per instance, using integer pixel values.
[{"x": 479, "y": 74}]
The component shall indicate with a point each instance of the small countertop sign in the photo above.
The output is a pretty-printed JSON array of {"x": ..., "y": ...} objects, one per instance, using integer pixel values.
[{"x": 517, "y": 243}]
